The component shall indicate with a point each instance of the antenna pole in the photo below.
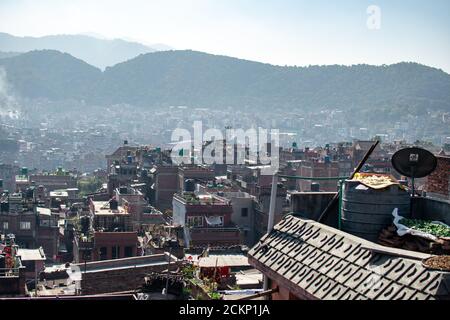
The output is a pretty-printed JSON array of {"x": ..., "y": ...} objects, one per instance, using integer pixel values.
[{"x": 271, "y": 222}]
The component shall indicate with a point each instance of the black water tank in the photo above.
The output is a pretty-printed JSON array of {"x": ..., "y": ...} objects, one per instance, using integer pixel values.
[
  {"x": 2, "y": 264},
  {"x": 113, "y": 204},
  {"x": 366, "y": 212},
  {"x": 315, "y": 187},
  {"x": 123, "y": 190},
  {"x": 189, "y": 185},
  {"x": 4, "y": 207}
]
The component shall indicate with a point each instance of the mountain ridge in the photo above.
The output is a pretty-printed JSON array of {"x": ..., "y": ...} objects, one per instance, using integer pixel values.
[
  {"x": 186, "y": 77},
  {"x": 100, "y": 52}
]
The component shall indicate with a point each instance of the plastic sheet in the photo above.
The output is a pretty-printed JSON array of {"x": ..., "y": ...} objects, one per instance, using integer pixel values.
[{"x": 403, "y": 230}]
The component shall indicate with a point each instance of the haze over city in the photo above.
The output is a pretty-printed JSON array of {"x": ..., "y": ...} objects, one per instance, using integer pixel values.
[{"x": 236, "y": 151}]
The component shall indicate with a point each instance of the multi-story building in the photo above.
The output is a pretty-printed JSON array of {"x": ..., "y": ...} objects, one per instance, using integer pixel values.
[
  {"x": 318, "y": 168},
  {"x": 165, "y": 185},
  {"x": 195, "y": 173},
  {"x": 105, "y": 233},
  {"x": 141, "y": 212},
  {"x": 54, "y": 181},
  {"x": 262, "y": 207},
  {"x": 32, "y": 226},
  {"x": 122, "y": 174},
  {"x": 206, "y": 220}
]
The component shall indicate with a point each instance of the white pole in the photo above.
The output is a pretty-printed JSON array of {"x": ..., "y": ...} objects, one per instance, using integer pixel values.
[
  {"x": 271, "y": 222},
  {"x": 273, "y": 201}
]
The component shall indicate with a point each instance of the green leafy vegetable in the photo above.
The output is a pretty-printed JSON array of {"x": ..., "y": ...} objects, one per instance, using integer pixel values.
[{"x": 435, "y": 229}]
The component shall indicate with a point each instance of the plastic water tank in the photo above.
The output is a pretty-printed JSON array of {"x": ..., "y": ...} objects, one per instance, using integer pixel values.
[
  {"x": 2, "y": 264},
  {"x": 315, "y": 187},
  {"x": 189, "y": 185},
  {"x": 365, "y": 212}
]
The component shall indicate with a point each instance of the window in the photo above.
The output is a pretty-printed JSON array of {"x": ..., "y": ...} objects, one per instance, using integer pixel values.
[
  {"x": 115, "y": 252},
  {"x": 44, "y": 223},
  {"x": 195, "y": 222},
  {"x": 25, "y": 225},
  {"x": 128, "y": 252},
  {"x": 103, "y": 253},
  {"x": 244, "y": 212},
  {"x": 5, "y": 225}
]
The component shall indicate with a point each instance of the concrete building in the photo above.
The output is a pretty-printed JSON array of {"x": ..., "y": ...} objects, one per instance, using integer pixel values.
[
  {"x": 206, "y": 220},
  {"x": 243, "y": 214}
]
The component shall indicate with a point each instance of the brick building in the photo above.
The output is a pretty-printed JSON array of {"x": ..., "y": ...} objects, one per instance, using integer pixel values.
[
  {"x": 32, "y": 226},
  {"x": 165, "y": 185},
  {"x": 107, "y": 235},
  {"x": 122, "y": 274},
  {"x": 195, "y": 173},
  {"x": 206, "y": 220},
  {"x": 315, "y": 168},
  {"x": 438, "y": 183}
]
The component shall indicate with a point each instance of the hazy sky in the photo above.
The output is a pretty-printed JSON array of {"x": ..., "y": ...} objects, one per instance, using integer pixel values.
[{"x": 292, "y": 32}]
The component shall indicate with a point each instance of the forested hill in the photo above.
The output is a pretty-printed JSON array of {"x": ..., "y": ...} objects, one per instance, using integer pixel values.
[{"x": 204, "y": 80}]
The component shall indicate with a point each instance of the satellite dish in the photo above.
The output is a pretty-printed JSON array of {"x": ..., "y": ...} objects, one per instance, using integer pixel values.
[{"x": 414, "y": 163}]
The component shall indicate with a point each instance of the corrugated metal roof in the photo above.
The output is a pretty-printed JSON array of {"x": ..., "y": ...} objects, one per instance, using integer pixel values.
[
  {"x": 223, "y": 261},
  {"x": 31, "y": 254},
  {"x": 324, "y": 263}
]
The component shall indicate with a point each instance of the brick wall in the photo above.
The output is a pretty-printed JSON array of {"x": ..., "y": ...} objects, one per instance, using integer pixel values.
[
  {"x": 439, "y": 181},
  {"x": 120, "y": 280}
]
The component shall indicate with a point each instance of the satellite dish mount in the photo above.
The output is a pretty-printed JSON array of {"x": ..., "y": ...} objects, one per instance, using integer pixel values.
[{"x": 414, "y": 163}]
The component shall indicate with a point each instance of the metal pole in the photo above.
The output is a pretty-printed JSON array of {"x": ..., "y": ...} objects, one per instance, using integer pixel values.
[
  {"x": 35, "y": 279},
  {"x": 341, "y": 188},
  {"x": 168, "y": 273},
  {"x": 271, "y": 222}
]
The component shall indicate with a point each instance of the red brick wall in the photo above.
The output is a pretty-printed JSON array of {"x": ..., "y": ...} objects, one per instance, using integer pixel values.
[
  {"x": 438, "y": 181},
  {"x": 112, "y": 239}
]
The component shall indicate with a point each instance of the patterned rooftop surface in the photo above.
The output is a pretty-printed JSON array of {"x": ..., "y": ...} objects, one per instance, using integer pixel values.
[{"x": 321, "y": 262}]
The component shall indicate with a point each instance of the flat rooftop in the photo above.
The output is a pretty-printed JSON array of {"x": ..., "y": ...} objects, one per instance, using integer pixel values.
[
  {"x": 127, "y": 263},
  {"x": 103, "y": 208}
]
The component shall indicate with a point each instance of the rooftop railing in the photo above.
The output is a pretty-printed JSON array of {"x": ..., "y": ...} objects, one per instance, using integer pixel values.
[{"x": 9, "y": 272}]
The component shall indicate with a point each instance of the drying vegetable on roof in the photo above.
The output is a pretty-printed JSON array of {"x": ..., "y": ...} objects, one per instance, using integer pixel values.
[
  {"x": 434, "y": 228},
  {"x": 376, "y": 181}
]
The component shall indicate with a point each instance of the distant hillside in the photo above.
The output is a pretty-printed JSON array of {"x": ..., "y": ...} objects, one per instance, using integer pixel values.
[
  {"x": 204, "y": 80},
  {"x": 98, "y": 52},
  {"x": 8, "y": 54},
  {"x": 50, "y": 74}
]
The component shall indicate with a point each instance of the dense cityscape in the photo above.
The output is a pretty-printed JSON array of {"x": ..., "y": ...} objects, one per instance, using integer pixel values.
[{"x": 109, "y": 191}]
